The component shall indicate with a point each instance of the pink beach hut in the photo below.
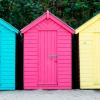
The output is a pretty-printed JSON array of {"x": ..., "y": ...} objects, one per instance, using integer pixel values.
[{"x": 47, "y": 53}]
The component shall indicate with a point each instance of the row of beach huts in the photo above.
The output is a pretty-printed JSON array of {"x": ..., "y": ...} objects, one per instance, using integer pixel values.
[{"x": 49, "y": 54}]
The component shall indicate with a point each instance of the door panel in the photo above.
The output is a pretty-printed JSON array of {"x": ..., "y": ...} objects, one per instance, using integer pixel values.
[{"x": 47, "y": 61}]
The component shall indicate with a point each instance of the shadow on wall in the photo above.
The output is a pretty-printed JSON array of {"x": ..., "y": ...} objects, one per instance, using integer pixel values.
[
  {"x": 75, "y": 62},
  {"x": 19, "y": 62}
]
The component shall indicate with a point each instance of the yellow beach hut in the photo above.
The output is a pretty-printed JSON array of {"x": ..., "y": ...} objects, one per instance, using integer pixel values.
[{"x": 89, "y": 53}]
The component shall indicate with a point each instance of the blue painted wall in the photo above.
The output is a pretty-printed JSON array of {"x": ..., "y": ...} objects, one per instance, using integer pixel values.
[{"x": 7, "y": 58}]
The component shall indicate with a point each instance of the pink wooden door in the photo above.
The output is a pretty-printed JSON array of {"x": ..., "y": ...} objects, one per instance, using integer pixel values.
[{"x": 47, "y": 58}]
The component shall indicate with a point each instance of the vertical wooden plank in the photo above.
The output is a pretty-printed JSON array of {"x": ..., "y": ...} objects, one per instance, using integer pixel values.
[
  {"x": 46, "y": 60},
  {"x": 47, "y": 73},
  {"x": 54, "y": 59},
  {"x": 51, "y": 57}
]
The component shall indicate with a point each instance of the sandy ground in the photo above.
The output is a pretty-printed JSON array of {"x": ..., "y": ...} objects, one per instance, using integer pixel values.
[{"x": 51, "y": 95}]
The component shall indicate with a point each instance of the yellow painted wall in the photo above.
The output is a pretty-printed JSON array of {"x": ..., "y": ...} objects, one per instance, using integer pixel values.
[
  {"x": 86, "y": 59},
  {"x": 94, "y": 27},
  {"x": 89, "y": 53},
  {"x": 97, "y": 60}
]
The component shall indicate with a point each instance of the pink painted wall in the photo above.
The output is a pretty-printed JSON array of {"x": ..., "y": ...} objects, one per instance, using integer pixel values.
[{"x": 47, "y": 57}]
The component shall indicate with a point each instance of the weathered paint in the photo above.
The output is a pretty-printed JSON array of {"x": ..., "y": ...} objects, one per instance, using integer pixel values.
[
  {"x": 7, "y": 55},
  {"x": 89, "y": 53},
  {"x": 47, "y": 54}
]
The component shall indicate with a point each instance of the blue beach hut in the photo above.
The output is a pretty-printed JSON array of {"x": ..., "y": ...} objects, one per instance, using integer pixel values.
[{"x": 7, "y": 55}]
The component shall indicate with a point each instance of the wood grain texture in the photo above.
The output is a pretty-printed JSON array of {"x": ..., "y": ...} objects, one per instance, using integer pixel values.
[
  {"x": 47, "y": 56},
  {"x": 7, "y": 56},
  {"x": 89, "y": 51}
]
